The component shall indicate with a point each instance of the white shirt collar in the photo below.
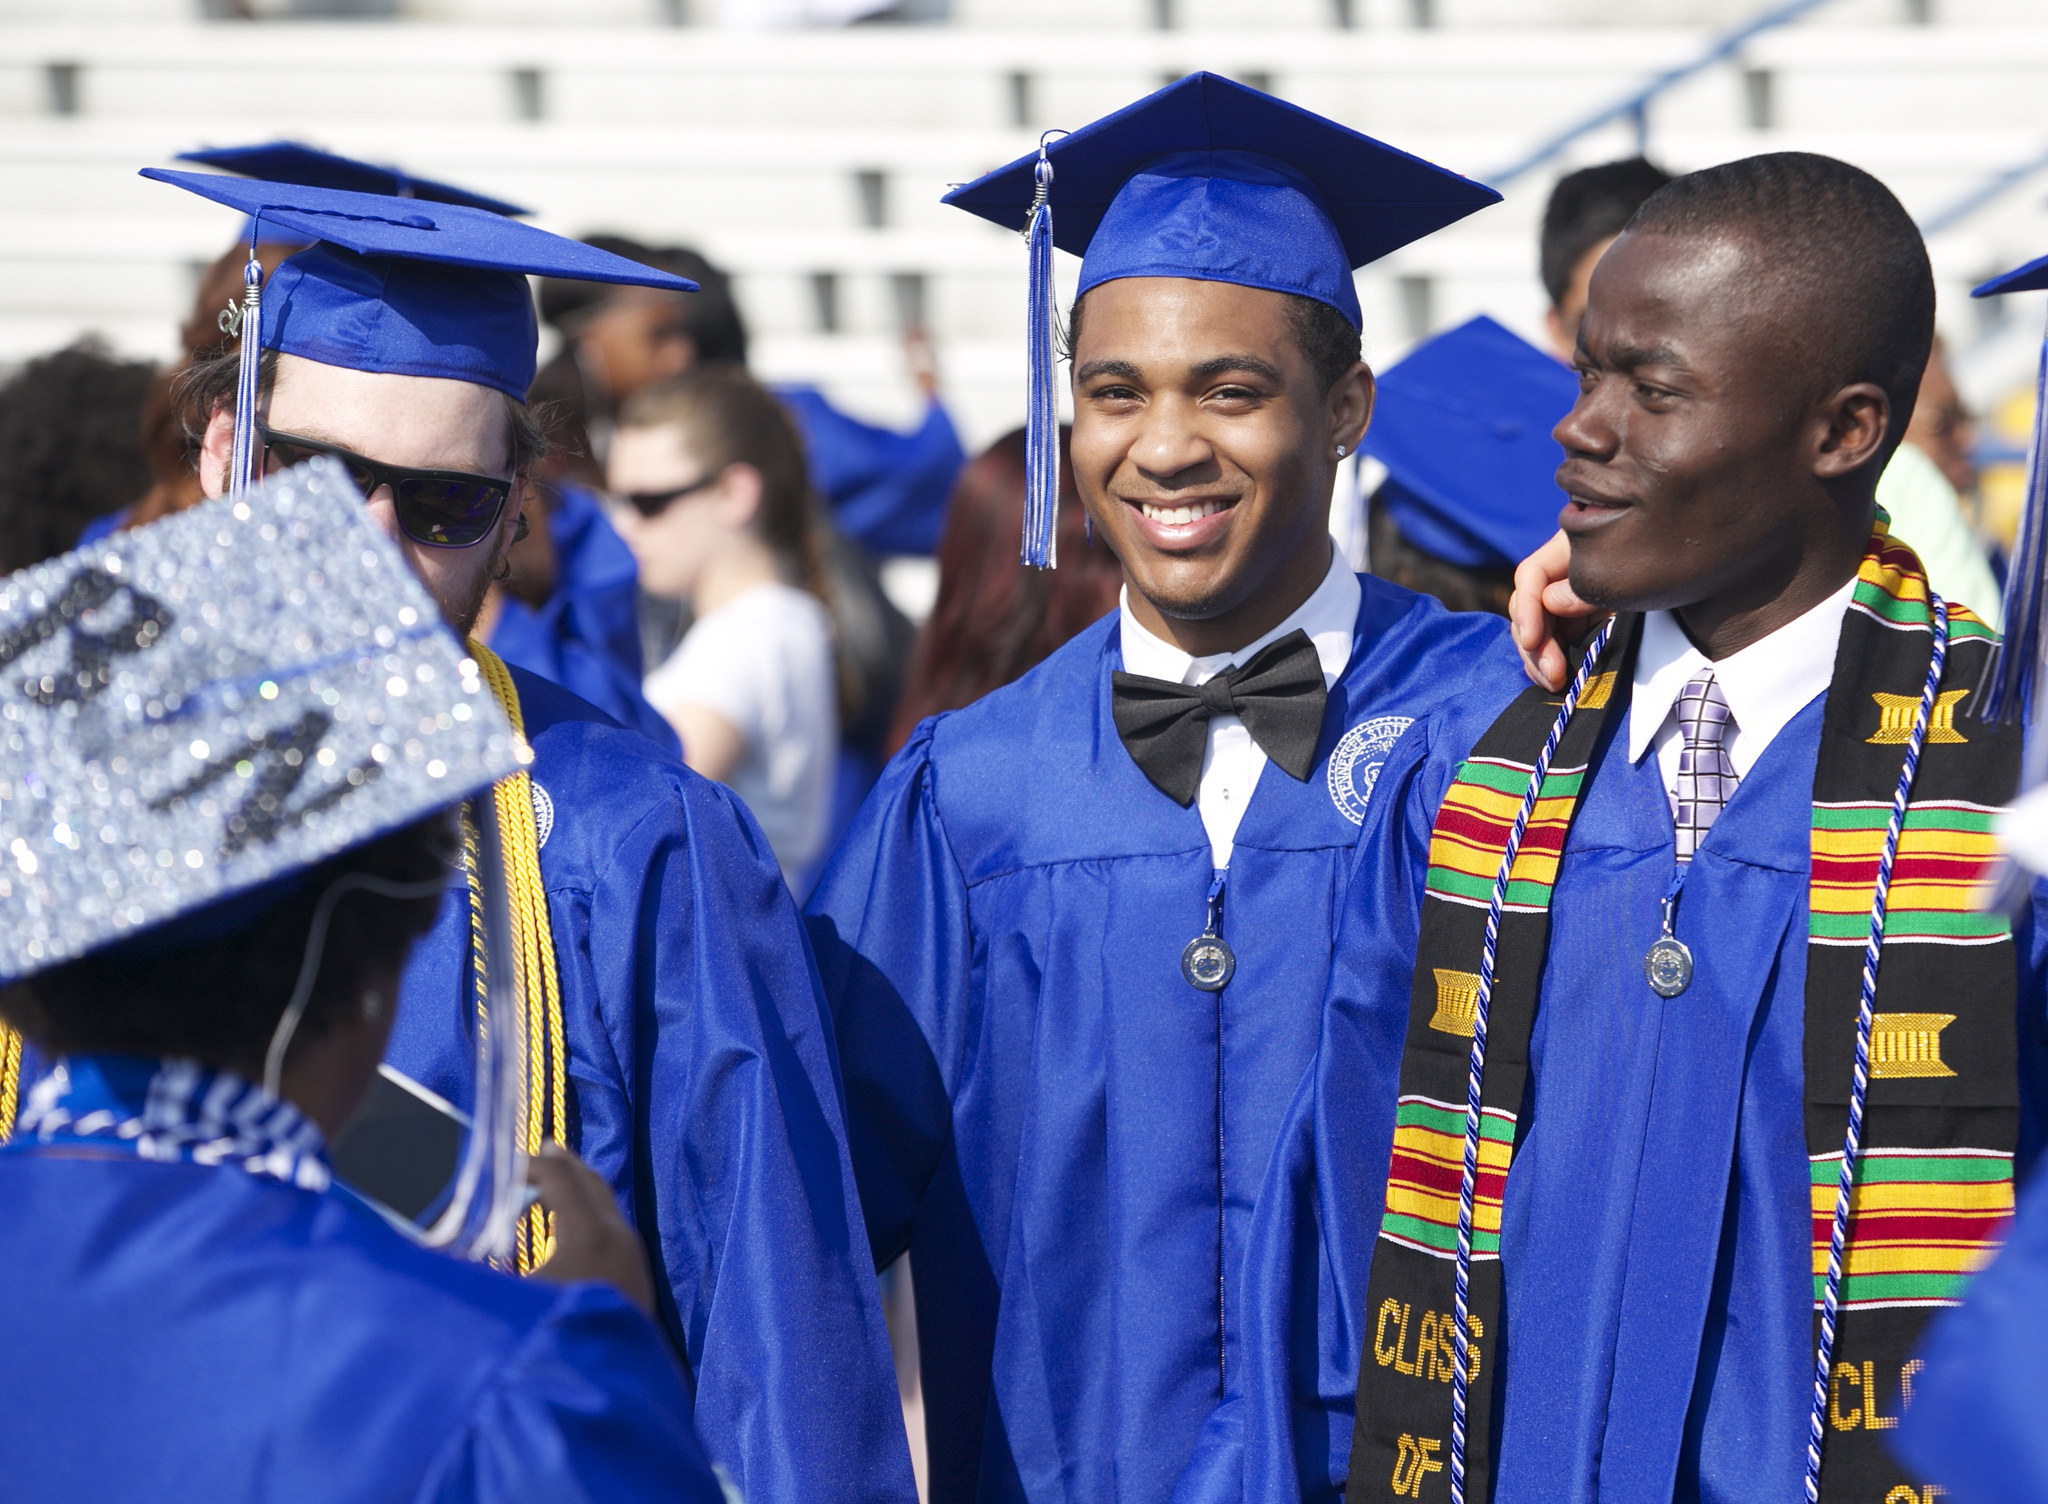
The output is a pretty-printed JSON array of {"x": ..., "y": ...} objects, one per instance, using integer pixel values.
[
  {"x": 1766, "y": 683},
  {"x": 1329, "y": 616}
]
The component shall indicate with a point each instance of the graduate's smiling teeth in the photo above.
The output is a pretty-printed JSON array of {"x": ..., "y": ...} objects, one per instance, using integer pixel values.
[{"x": 1181, "y": 516}]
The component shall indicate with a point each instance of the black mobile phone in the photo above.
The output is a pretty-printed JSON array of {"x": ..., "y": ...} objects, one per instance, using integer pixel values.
[{"x": 401, "y": 1150}]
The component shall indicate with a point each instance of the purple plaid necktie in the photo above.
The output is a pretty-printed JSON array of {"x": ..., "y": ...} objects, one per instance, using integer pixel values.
[{"x": 1706, "y": 774}]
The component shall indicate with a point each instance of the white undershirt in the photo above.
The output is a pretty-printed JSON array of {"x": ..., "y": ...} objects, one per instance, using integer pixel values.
[
  {"x": 1766, "y": 683},
  {"x": 1232, "y": 761}
]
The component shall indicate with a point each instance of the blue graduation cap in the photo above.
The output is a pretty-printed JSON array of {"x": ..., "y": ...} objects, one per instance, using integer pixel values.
[
  {"x": 310, "y": 167},
  {"x": 399, "y": 286},
  {"x": 1210, "y": 180},
  {"x": 2016, "y": 674},
  {"x": 1463, "y": 426}
]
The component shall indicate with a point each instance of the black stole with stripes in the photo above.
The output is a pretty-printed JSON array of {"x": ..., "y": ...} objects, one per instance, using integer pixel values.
[{"x": 1934, "y": 1180}]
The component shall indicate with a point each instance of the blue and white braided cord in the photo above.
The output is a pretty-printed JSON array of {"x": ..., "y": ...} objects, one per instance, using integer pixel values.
[
  {"x": 1475, "y": 1074},
  {"x": 196, "y": 1114},
  {"x": 1853, "y": 1142}
]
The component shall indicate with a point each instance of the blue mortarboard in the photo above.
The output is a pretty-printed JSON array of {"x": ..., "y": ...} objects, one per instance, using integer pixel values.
[
  {"x": 199, "y": 710},
  {"x": 310, "y": 167},
  {"x": 1463, "y": 426},
  {"x": 1210, "y": 180},
  {"x": 2015, "y": 680},
  {"x": 408, "y": 286}
]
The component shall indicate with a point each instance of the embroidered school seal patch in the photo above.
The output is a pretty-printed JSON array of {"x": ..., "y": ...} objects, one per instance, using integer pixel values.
[
  {"x": 1356, "y": 762},
  {"x": 543, "y": 813}
]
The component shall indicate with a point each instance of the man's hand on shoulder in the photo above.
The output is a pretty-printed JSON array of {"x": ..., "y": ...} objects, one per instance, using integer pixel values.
[{"x": 1544, "y": 614}]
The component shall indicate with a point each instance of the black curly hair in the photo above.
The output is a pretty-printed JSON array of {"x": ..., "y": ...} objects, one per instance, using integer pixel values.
[{"x": 70, "y": 448}]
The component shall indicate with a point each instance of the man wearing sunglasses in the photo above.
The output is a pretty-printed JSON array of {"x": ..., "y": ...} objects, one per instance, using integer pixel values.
[{"x": 677, "y": 1034}]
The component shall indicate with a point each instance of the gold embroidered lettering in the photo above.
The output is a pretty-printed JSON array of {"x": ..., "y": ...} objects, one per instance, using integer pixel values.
[
  {"x": 1895, "y": 714},
  {"x": 1874, "y": 1421},
  {"x": 1854, "y": 1418},
  {"x": 1599, "y": 690},
  {"x": 1472, "y": 1346},
  {"x": 1904, "y": 1045},
  {"x": 1912, "y": 1367},
  {"x": 1414, "y": 1460},
  {"x": 1401, "y": 1345},
  {"x": 1457, "y": 1002},
  {"x": 1380, "y": 1350}
]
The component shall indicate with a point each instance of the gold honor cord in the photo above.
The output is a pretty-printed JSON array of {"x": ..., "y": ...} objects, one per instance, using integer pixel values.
[
  {"x": 533, "y": 959},
  {"x": 10, "y": 1080}
]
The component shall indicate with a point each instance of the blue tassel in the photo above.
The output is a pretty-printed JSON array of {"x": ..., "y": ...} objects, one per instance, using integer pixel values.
[
  {"x": 245, "y": 465},
  {"x": 2014, "y": 672},
  {"x": 1042, "y": 415}
]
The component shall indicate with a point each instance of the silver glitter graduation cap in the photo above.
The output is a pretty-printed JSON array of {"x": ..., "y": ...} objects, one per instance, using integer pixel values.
[{"x": 196, "y": 708}]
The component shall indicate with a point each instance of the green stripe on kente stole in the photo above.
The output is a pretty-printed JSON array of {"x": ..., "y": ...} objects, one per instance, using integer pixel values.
[
  {"x": 1882, "y": 603},
  {"x": 1857, "y": 1288},
  {"x": 1877, "y": 1168},
  {"x": 1521, "y": 893},
  {"x": 1436, "y": 1235},
  {"x": 1901, "y": 924},
  {"x": 1451, "y": 1120},
  {"x": 1875, "y": 816},
  {"x": 1515, "y": 781}
]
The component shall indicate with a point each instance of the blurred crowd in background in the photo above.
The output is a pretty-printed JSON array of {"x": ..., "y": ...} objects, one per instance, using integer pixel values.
[{"x": 704, "y": 556}]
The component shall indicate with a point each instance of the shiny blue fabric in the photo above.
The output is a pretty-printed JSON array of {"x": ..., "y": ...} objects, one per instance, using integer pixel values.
[
  {"x": 1224, "y": 216},
  {"x": 1209, "y": 179},
  {"x": 703, "y": 1088},
  {"x": 1462, "y": 423},
  {"x": 178, "y": 1331},
  {"x": 1974, "y": 1426},
  {"x": 409, "y": 286},
  {"x": 1065, "y": 1134},
  {"x": 1655, "y": 1232},
  {"x": 587, "y": 637},
  {"x": 887, "y": 490}
]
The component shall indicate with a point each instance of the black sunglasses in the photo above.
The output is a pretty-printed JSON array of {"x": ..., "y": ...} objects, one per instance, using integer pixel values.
[
  {"x": 439, "y": 508},
  {"x": 654, "y": 503}
]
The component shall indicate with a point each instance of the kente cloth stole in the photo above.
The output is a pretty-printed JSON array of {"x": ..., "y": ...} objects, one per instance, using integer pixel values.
[
  {"x": 1934, "y": 1180},
  {"x": 537, "y": 982}
]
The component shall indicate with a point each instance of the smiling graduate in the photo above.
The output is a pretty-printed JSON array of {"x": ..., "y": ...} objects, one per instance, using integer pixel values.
[
  {"x": 1077, "y": 939},
  {"x": 1734, "y": 950}
]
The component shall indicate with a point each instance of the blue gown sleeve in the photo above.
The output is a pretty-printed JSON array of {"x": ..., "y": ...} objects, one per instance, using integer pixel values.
[
  {"x": 588, "y": 1409},
  {"x": 692, "y": 952},
  {"x": 1974, "y": 1426},
  {"x": 890, "y": 924},
  {"x": 887, "y": 489},
  {"x": 1283, "y": 1429}
]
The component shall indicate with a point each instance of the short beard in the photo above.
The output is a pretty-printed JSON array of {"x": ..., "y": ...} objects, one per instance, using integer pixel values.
[{"x": 463, "y": 614}]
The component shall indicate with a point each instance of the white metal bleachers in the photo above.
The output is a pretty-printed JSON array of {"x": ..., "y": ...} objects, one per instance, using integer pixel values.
[{"x": 796, "y": 156}]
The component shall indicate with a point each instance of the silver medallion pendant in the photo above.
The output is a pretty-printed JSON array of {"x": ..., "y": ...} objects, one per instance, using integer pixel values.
[
  {"x": 1208, "y": 963},
  {"x": 1668, "y": 965}
]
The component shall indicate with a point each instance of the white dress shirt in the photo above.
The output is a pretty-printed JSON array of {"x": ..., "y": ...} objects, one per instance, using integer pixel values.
[
  {"x": 1766, "y": 683},
  {"x": 1232, "y": 761}
]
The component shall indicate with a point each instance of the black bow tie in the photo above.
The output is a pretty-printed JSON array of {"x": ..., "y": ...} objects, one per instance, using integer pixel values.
[{"x": 1278, "y": 695}]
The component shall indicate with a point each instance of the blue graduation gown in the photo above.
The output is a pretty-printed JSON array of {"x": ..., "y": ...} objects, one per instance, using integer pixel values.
[
  {"x": 587, "y": 637},
  {"x": 1974, "y": 1426},
  {"x": 888, "y": 490},
  {"x": 1062, "y": 1130},
  {"x": 703, "y": 1087},
  {"x": 184, "y": 1332},
  {"x": 1655, "y": 1231}
]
